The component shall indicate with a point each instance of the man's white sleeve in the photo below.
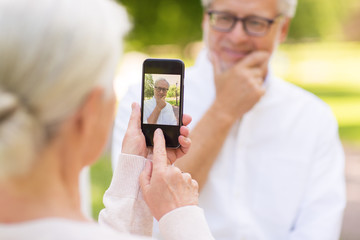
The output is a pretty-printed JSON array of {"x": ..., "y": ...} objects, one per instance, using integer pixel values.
[
  {"x": 148, "y": 109},
  {"x": 321, "y": 212},
  {"x": 169, "y": 118}
]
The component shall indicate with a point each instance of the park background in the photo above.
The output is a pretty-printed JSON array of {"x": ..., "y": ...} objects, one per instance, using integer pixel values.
[{"x": 321, "y": 55}]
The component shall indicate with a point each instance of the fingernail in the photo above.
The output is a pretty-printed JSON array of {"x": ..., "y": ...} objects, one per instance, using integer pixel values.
[{"x": 158, "y": 131}]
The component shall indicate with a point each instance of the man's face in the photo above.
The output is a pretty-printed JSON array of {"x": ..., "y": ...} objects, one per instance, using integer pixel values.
[
  {"x": 161, "y": 88},
  {"x": 231, "y": 47}
]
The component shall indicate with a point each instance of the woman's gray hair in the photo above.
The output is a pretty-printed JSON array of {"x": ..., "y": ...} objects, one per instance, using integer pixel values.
[
  {"x": 53, "y": 53},
  {"x": 286, "y": 7}
]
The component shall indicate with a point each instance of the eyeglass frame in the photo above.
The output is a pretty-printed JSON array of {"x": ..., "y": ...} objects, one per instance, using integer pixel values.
[
  {"x": 242, "y": 20},
  {"x": 160, "y": 89}
]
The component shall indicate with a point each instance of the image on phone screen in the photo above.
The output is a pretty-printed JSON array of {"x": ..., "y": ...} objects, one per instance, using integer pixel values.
[{"x": 161, "y": 99}]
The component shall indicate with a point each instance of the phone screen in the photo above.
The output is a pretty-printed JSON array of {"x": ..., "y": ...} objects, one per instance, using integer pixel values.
[{"x": 162, "y": 101}]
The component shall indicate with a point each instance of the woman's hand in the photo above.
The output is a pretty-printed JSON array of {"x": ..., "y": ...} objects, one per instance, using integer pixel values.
[
  {"x": 134, "y": 140},
  {"x": 163, "y": 185},
  {"x": 175, "y": 153}
]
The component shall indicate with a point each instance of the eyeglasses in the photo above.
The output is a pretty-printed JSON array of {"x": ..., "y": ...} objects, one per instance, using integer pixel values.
[
  {"x": 253, "y": 25},
  {"x": 160, "y": 89}
]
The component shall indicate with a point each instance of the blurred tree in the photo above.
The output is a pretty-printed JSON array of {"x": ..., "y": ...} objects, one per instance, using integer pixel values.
[
  {"x": 160, "y": 22},
  {"x": 173, "y": 91},
  {"x": 320, "y": 19},
  {"x": 149, "y": 86}
]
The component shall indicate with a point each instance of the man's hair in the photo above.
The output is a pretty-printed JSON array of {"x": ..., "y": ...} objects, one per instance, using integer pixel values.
[
  {"x": 53, "y": 53},
  {"x": 162, "y": 79},
  {"x": 286, "y": 7}
]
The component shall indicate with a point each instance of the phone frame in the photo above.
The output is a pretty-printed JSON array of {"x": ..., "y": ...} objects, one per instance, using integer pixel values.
[{"x": 163, "y": 66}]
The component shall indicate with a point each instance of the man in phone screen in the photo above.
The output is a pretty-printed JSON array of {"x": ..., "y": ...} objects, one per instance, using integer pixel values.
[
  {"x": 157, "y": 110},
  {"x": 266, "y": 153}
]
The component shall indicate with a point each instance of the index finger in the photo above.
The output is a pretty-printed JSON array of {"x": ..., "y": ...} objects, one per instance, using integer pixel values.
[{"x": 159, "y": 151}]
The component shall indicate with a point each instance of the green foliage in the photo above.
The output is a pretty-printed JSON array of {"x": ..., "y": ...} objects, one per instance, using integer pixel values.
[
  {"x": 173, "y": 102},
  {"x": 100, "y": 174},
  {"x": 149, "y": 86},
  {"x": 173, "y": 91},
  {"x": 176, "y": 22},
  {"x": 163, "y": 22},
  {"x": 320, "y": 19},
  {"x": 330, "y": 71}
]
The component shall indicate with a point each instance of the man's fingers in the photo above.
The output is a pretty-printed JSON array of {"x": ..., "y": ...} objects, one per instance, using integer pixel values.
[
  {"x": 257, "y": 72},
  {"x": 159, "y": 150},
  {"x": 187, "y": 177},
  {"x": 256, "y": 59},
  {"x": 186, "y": 120},
  {"x": 134, "y": 121}
]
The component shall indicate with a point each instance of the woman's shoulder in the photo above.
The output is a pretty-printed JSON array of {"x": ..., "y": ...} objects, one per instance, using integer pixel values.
[{"x": 59, "y": 229}]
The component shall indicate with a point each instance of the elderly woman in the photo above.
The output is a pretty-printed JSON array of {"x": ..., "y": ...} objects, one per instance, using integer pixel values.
[{"x": 58, "y": 58}]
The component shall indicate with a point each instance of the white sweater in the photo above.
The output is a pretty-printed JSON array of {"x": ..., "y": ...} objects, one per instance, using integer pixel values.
[{"x": 125, "y": 216}]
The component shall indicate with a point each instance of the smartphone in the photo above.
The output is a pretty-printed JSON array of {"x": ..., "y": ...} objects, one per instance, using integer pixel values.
[{"x": 162, "y": 99}]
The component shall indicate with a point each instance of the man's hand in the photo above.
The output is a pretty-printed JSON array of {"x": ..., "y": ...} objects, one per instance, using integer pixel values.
[
  {"x": 163, "y": 185},
  {"x": 160, "y": 103},
  {"x": 239, "y": 88}
]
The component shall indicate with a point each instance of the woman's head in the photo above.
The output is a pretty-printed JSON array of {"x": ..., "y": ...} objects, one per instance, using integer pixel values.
[{"x": 53, "y": 53}]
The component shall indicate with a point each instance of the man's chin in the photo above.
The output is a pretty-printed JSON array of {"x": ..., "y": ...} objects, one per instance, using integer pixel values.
[{"x": 226, "y": 65}]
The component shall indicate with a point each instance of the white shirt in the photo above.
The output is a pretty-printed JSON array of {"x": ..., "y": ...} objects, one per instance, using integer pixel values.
[
  {"x": 125, "y": 217},
  {"x": 280, "y": 173},
  {"x": 166, "y": 116}
]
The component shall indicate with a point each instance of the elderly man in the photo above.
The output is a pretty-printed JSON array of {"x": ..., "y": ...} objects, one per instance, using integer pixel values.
[
  {"x": 157, "y": 110},
  {"x": 266, "y": 153}
]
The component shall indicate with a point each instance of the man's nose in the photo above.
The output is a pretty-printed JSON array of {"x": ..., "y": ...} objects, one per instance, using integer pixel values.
[{"x": 238, "y": 33}]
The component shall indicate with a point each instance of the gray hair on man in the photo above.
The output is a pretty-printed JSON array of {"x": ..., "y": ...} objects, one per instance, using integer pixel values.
[
  {"x": 286, "y": 7},
  {"x": 51, "y": 51},
  {"x": 162, "y": 79}
]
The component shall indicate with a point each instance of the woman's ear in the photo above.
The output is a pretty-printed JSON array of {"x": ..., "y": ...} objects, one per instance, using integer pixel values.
[
  {"x": 85, "y": 134},
  {"x": 86, "y": 118},
  {"x": 88, "y": 129}
]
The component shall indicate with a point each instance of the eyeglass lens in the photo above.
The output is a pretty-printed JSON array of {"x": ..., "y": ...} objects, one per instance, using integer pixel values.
[
  {"x": 160, "y": 89},
  {"x": 252, "y": 25}
]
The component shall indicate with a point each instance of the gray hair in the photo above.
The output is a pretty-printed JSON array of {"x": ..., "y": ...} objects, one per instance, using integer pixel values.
[
  {"x": 286, "y": 7},
  {"x": 161, "y": 79},
  {"x": 53, "y": 53}
]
